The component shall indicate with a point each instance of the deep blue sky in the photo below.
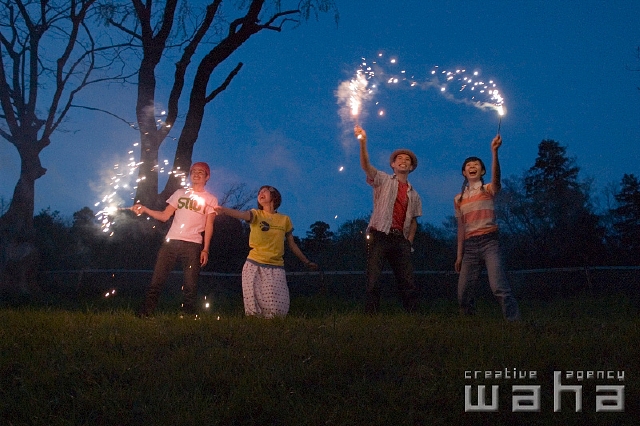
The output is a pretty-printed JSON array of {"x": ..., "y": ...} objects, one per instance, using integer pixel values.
[{"x": 565, "y": 73}]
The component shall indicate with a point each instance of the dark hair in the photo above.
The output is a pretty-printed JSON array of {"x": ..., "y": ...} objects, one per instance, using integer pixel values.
[
  {"x": 470, "y": 159},
  {"x": 466, "y": 181},
  {"x": 275, "y": 196}
]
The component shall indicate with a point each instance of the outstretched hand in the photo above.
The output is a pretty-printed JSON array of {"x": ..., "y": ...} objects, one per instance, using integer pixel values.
[
  {"x": 137, "y": 208},
  {"x": 359, "y": 133}
]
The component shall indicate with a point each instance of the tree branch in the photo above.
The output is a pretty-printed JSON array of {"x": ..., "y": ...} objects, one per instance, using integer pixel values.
[
  {"x": 131, "y": 124},
  {"x": 224, "y": 84}
]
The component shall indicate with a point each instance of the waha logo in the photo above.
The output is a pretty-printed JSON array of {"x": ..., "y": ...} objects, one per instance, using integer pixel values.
[{"x": 526, "y": 397}]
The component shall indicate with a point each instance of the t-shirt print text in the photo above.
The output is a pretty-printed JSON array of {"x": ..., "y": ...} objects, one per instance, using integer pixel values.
[{"x": 189, "y": 203}]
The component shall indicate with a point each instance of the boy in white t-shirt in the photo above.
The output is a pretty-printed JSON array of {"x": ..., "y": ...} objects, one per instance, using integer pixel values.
[{"x": 194, "y": 214}]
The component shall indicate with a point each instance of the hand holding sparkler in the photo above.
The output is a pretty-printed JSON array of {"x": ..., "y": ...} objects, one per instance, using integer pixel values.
[
  {"x": 360, "y": 134},
  {"x": 496, "y": 143},
  {"x": 138, "y": 209}
]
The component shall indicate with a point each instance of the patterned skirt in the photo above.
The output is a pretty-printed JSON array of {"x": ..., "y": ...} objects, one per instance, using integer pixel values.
[{"x": 264, "y": 290}]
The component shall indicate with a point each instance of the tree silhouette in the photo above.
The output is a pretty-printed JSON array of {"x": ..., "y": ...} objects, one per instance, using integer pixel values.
[
  {"x": 48, "y": 53},
  {"x": 162, "y": 29},
  {"x": 349, "y": 247},
  {"x": 626, "y": 219},
  {"x": 318, "y": 242},
  {"x": 550, "y": 209}
]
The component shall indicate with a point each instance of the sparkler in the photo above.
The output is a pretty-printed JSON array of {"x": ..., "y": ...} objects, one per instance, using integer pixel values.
[
  {"x": 122, "y": 182},
  {"x": 354, "y": 93},
  {"x": 500, "y": 114},
  {"x": 457, "y": 85},
  {"x": 122, "y": 178}
]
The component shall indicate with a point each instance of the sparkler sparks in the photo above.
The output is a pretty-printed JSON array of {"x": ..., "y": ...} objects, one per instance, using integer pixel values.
[
  {"x": 459, "y": 86},
  {"x": 121, "y": 179},
  {"x": 353, "y": 93},
  {"x": 121, "y": 182}
]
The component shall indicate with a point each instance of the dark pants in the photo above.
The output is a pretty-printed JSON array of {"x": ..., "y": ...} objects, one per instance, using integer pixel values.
[
  {"x": 397, "y": 250},
  {"x": 170, "y": 252}
]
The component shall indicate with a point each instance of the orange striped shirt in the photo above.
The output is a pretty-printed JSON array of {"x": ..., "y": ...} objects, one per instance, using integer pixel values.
[{"x": 477, "y": 211}]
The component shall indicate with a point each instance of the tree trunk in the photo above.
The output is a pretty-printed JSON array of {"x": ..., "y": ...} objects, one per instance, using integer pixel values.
[{"x": 18, "y": 252}]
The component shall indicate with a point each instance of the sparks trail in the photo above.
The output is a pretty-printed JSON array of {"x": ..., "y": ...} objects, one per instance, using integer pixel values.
[
  {"x": 457, "y": 86},
  {"x": 119, "y": 186}
]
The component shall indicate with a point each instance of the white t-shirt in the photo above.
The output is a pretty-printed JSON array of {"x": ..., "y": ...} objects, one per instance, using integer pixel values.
[{"x": 190, "y": 217}]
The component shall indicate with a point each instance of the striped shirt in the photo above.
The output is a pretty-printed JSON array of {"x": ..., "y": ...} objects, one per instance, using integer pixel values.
[
  {"x": 476, "y": 210},
  {"x": 385, "y": 191}
]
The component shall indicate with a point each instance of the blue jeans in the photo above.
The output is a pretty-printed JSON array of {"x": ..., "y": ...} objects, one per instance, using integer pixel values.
[
  {"x": 397, "y": 250},
  {"x": 478, "y": 250},
  {"x": 170, "y": 252}
]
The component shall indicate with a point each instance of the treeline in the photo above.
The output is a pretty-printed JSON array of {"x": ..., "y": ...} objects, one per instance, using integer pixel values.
[{"x": 547, "y": 216}]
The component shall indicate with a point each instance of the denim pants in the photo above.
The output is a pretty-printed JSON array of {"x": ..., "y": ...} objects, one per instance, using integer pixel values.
[
  {"x": 478, "y": 250},
  {"x": 397, "y": 250},
  {"x": 188, "y": 254}
]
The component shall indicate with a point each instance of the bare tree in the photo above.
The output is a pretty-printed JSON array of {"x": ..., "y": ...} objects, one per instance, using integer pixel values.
[
  {"x": 48, "y": 54},
  {"x": 160, "y": 27},
  {"x": 237, "y": 196}
]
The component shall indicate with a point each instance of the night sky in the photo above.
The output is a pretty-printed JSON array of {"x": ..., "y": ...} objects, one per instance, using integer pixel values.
[{"x": 565, "y": 73}]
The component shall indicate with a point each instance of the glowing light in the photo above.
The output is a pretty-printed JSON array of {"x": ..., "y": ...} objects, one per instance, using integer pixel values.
[
  {"x": 121, "y": 184},
  {"x": 456, "y": 85},
  {"x": 341, "y": 168}
]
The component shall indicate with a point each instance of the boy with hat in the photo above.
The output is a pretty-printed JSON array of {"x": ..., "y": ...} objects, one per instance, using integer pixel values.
[{"x": 392, "y": 226}]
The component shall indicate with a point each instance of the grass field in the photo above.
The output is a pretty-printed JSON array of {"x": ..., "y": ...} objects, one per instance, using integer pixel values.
[{"x": 324, "y": 364}]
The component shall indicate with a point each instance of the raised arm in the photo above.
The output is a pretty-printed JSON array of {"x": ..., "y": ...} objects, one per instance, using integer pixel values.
[
  {"x": 238, "y": 214},
  {"x": 361, "y": 135},
  {"x": 495, "y": 164}
]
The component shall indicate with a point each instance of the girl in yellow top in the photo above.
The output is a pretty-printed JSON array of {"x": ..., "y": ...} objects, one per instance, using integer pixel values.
[{"x": 264, "y": 282}]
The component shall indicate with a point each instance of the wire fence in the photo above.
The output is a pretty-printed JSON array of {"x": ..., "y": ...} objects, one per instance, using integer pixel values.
[{"x": 541, "y": 284}]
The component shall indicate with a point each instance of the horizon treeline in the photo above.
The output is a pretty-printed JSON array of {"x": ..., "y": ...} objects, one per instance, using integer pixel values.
[{"x": 548, "y": 218}]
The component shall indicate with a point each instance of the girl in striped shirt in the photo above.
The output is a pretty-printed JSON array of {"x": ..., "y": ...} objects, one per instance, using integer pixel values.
[{"x": 478, "y": 236}]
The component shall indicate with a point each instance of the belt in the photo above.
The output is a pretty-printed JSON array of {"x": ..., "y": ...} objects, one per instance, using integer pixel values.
[{"x": 392, "y": 231}]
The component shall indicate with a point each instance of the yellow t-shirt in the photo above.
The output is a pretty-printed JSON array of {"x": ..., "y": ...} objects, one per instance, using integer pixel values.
[{"x": 267, "y": 236}]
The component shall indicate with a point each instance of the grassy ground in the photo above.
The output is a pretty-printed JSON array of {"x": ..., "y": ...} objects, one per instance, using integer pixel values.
[{"x": 324, "y": 364}]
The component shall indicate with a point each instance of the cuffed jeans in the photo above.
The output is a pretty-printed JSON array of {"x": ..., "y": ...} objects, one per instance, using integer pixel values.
[
  {"x": 170, "y": 252},
  {"x": 478, "y": 250},
  {"x": 397, "y": 250}
]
